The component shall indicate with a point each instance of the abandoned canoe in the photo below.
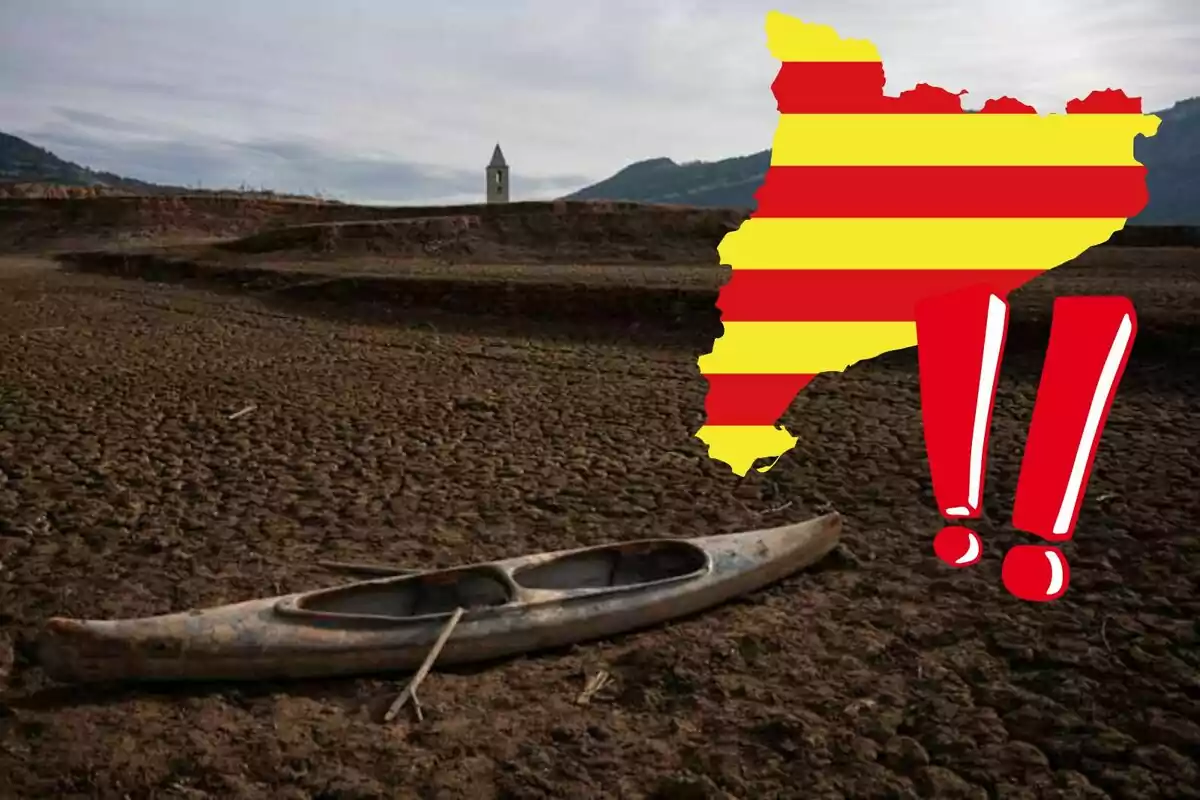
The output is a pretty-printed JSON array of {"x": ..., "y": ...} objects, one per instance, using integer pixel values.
[{"x": 512, "y": 606}]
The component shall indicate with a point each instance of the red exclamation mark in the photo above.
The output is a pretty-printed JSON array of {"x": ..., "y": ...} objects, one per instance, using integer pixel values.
[
  {"x": 960, "y": 342},
  {"x": 1090, "y": 341}
]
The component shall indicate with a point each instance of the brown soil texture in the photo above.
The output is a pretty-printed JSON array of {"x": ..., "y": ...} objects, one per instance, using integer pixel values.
[
  {"x": 527, "y": 232},
  {"x": 592, "y": 301},
  {"x": 592, "y": 232},
  {"x": 125, "y": 490},
  {"x": 589, "y": 233}
]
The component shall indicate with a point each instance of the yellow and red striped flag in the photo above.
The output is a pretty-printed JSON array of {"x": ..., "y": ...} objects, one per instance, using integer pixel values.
[{"x": 873, "y": 203}]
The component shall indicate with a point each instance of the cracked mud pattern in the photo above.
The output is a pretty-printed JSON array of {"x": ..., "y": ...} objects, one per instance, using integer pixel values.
[{"x": 125, "y": 490}]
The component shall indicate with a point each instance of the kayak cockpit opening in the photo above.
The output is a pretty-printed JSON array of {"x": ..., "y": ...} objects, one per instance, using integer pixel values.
[
  {"x": 415, "y": 596},
  {"x": 615, "y": 566}
]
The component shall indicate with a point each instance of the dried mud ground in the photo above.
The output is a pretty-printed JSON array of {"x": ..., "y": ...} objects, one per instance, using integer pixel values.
[{"x": 125, "y": 490}]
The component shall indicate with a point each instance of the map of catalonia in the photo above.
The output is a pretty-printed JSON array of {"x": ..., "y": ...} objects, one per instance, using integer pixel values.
[{"x": 873, "y": 203}]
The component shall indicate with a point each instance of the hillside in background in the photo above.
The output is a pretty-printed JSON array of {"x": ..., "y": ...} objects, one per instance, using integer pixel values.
[
  {"x": 1172, "y": 158},
  {"x": 29, "y": 171},
  {"x": 25, "y": 163}
]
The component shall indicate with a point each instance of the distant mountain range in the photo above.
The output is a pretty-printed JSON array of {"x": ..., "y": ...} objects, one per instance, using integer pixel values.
[
  {"x": 25, "y": 163},
  {"x": 1172, "y": 159},
  {"x": 27, "y": 170}
]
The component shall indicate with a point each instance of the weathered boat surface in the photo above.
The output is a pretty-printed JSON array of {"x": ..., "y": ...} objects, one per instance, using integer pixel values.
[{"x": 513, "y": 606}]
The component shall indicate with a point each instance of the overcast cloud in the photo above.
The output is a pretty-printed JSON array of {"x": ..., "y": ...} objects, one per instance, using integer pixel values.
[{"x": 402, "y": 101}]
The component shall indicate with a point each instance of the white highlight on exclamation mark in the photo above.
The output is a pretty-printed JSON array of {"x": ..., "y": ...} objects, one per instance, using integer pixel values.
[
  {"x": 997, "y": 321},
  {"x": 1108, "y": 376},
  {"x": 973, "y": 548},
  {"x": 1056, "y": 572}
]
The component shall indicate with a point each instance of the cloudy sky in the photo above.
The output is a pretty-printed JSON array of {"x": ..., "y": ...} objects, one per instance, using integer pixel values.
[{"x": 402, "y": 100}]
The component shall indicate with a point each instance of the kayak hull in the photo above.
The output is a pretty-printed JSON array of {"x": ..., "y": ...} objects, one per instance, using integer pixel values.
[{"x": 513, "y": 606}]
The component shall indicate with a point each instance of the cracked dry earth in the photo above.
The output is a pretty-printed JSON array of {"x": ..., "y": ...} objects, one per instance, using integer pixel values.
[{"x": 125, "y": 490}]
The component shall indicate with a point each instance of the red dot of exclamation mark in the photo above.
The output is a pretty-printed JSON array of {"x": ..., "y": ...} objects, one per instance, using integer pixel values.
[
  {"x": 960, "y": 343},
  {"x": 1090, "y": 342}
]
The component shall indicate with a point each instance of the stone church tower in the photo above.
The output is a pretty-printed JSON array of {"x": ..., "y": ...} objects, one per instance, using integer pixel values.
[{"x": 497, "y": 178}]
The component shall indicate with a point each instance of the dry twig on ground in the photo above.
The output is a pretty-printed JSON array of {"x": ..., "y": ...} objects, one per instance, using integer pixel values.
[
  {"x": 776, "y": 509},
  {"x": 593, "y": 685},
  {"x": 242, "y": 413}
]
